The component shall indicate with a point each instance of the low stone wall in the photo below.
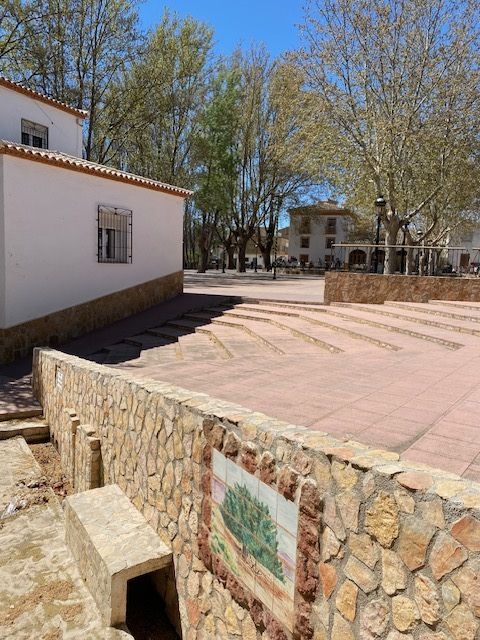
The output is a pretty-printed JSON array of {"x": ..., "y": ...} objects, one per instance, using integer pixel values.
[
  {"x": 342, "y": 286},
  {"x": 58, "y": 327},
  {"x": 279, "y": 532}
]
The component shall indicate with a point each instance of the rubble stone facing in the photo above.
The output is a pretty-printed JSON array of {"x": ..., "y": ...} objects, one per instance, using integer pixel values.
[
  {"x": 403, "y": 564},
  {"x": 343, "y": 286}
]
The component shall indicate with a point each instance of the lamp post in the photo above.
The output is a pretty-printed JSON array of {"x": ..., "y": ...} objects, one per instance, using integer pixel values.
[
  {"x": 223, "y": 259},
  {"x": 403, "y": 266},
  {"x": 380, "y": 205},
  {"x": 275, "y": 231}
]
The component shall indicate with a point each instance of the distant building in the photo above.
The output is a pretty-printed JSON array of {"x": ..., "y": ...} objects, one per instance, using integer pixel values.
[
  {"x": 281, "y": 246},
  {"x": 315, "y": 228}
]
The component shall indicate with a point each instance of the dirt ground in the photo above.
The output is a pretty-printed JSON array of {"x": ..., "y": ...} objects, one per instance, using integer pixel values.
[{"x": 49, "y": 460}]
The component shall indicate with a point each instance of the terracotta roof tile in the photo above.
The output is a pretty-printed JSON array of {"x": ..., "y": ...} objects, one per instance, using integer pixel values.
[
  {"x": 20, "y": 88},
  {"x": 58, "y": 159}
]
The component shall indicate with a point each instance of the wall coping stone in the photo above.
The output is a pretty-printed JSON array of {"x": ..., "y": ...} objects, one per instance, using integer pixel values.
[{"x": 461, "y": 492}]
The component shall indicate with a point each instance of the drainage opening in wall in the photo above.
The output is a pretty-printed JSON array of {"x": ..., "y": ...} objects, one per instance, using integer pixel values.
[{"x": 152, "y": 606}]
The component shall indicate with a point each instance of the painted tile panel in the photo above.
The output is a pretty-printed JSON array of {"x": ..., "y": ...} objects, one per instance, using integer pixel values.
[{"x": 254, "y": 531}]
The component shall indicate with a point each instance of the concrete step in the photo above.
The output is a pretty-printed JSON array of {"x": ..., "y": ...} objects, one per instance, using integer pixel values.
[
  {"x": 160, "y": 356},
  {"x": 241, "y": 344},
  {"x": 440, "y": 311},
  {"x": 353, "y": 314},
  {"x": 198, "y": 347},
  {"x": 276, "y": 340},
  {"x": 302, "y": 335},
  {"x": 147, "y": 341},
  {"x": 34, "y": 431},
  {"x": 313, "y": 317},
  {"x": 473, "y": 306},
  {"x": 242, "y": 327},
  {"x": 16, "y": 399},
  {"x": 121, "y": 352},
  {"x": 411, "y": 315},
  {"x": 168, "y": 331}
]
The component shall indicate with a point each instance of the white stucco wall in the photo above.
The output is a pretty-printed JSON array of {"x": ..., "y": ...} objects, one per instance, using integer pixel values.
[
  {"x": 2, "y": 250},
  {"x": 64, "y": 129},
  {"x": 51, "y": 239}
]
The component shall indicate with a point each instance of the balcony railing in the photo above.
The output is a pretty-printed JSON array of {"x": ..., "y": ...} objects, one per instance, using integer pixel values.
[{"x": 434, "y": 260}]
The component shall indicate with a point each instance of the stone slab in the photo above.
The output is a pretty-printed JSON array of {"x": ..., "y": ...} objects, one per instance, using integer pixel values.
[
  {"x": 32, "y": 431},
  {"x": 41, "y": 592},
  {"x": 112, "y": 543}
]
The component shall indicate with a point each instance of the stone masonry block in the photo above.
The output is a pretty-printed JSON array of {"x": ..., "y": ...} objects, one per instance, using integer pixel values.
[{"x": 112, "y": 543}]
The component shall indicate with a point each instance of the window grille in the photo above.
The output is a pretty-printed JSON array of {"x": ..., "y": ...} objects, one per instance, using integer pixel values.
[
  {"x": 114, "y": 235},
  {"x": 331, "y": 226},
  {"x": 305, "y": 224},
  {"x": 329, "y": 242},
  {"x": 305, "y": 242},
  {"x": 35, "y": 135}
]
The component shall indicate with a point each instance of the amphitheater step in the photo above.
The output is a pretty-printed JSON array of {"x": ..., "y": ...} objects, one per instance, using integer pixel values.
[
  {"x": 354, "y": 314},
  {"x": 435, "y": 310},
  {"x": 147, "y": 341},
  {"x": 121, "y": 352},
  {"x": 410, "y": 315},
  {"x": 322, "y": 327},
  {"x": 302, "y": 335}
]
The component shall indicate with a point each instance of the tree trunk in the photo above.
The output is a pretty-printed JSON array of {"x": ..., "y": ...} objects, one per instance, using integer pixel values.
[
  {"x": 410, "y": 264},
  {"x": 231, "y": 257},
  {"x": 266, "y": 251},
  {"x": 391, "y": 233},
  {"x": 242, "y": 247},
  {"x": 203, "y": 260}
]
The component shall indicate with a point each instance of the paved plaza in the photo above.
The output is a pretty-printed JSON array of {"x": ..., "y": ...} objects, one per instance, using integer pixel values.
[{"x": 398, "y": 376}]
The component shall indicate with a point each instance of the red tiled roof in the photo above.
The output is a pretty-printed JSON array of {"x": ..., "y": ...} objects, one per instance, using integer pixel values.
[
  {"x": 20, "y": 88},
  {"x": 58, "y": 159}
]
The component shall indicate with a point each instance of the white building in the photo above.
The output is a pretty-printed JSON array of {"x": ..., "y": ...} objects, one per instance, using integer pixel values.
[
  {"x": 315, "y": 228},
  {"x": 81, "y": 244}
]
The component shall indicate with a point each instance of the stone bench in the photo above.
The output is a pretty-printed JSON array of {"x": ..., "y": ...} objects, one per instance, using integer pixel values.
[{"x": 112, "y": 543}]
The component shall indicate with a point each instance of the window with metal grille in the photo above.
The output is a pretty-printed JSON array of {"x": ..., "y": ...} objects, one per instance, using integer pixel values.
[
  {"x": 305, "y": 242},
  {"x": 35, "y": 135},
  {"x": 331, "y": 226},
  {"x": 304, "y": 224},
  {"x": 329, "y": 242},
  {"x": 114, "y": 234}
]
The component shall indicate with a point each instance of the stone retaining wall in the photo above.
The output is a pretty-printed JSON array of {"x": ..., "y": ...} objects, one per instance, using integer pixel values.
[
  {"x": 384, "y": 550},
  {"x": 56, "y": 328},
  {"x": 342, "y": 286}
]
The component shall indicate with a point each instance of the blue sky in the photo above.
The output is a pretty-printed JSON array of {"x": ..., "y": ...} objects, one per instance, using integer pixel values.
[{"x": 237, "y": 21}]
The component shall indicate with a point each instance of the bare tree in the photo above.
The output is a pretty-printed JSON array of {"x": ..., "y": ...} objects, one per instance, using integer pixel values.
[{"x": 397, "y": 90}]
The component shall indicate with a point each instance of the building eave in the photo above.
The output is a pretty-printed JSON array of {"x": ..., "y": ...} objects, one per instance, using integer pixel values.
[
  {"x": 64, "y": 161},
  {"x": 31, "y": 93}
]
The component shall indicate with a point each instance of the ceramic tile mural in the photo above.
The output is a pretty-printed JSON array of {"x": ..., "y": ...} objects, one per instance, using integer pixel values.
[{"x": 254, "y": 531}]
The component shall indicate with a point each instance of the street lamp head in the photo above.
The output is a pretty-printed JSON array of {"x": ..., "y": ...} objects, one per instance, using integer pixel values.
[{"x": 380, "y": 203}]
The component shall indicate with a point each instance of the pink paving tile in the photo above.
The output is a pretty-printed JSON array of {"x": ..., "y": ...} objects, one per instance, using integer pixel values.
[
  {"x": 337, "y": 427},
  {"x": 375, "y": 405},
  {"x": 449, "y": 447},
  {"x": 357, "y": 416},
  {"x": 472, "y": 473},
  {"x": 461, "y": 432},
  {"x": 381, "y": 438},
  {"x": 400, "y": 425},
  {"x": 418, "y": 414},
  {"x": 435, "y": 460},
  {"x": 462, "y": 416}
]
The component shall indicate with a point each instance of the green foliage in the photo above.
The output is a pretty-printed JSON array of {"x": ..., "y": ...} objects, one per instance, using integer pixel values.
[{"x": 250, "y": 522}]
